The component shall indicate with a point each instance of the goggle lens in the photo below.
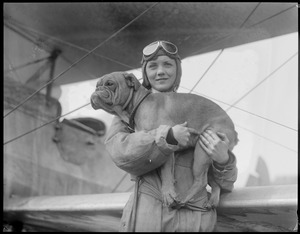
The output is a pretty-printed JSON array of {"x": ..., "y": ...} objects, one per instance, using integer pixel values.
[{"x": 167, "y": 46}]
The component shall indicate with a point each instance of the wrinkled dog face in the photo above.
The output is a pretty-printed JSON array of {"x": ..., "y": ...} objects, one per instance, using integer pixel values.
[{"x": 111, "y": 90}]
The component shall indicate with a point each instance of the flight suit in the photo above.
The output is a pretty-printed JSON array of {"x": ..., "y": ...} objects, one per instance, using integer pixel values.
[{"x": 141, "y": 154}]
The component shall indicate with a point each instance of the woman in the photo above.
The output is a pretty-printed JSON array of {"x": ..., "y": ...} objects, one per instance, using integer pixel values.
[{"x": 147, "y": 151}]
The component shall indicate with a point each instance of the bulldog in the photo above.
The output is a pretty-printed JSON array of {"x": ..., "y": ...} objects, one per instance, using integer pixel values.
[{"x": 123, "y": 95}]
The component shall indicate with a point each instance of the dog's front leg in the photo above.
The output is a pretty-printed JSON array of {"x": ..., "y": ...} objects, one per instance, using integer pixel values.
[
  {"x": 215, "y": 191},
  {"x": 167, "y": 177}
]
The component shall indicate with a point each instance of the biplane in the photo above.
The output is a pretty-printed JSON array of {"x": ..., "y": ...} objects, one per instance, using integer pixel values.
[{"x": 58, "y": 175}]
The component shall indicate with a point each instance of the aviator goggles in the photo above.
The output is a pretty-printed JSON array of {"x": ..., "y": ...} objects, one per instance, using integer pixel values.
[{"x": 150, "y": 49}]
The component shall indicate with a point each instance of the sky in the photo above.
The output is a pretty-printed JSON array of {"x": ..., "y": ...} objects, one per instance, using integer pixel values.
[{"x": 260, "y": 78}]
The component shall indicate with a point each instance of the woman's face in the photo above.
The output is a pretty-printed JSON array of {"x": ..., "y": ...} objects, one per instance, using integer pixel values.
[{"x": 161, "y": 73}]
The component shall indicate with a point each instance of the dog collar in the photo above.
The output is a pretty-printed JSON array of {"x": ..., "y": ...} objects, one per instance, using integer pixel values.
[
  {"x": 131, "y": 117},
  {"x": 128, "y": 99}
]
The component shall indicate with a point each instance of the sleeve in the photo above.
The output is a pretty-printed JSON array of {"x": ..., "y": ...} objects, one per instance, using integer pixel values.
[
  {"x": 225, "y": 175},
  {"x": 139, "y": 152}
]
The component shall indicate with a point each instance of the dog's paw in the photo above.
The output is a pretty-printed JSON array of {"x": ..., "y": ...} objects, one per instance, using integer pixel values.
[
  {"x": 207, "y": 205},
  {"x": 213, "y": 201},
  {"x": 169, "y": 196},
  {"x": 168, "y": 200}
]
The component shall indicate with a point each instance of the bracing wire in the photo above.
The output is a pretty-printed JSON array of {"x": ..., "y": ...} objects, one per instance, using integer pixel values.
[
  {"x": 242, "y": 25},
  {"x": 24, "y": 33},
  {"x": 272, "y": 16},
  {"x": 234, "y": 33},
  {"x": 248, "y": 112},
  {"x": 251, "y": 13},
  {"x": 247, "y": 93},
  {"x": 45, "y": 124},
  {"x": 268, "y": 139},
  {"x": 83, "y": 71},
  {"x": 206, "y": 70},
  {"x": 79, "y": 60},
  {"x": 118, "y": 184},
  {"x": 26, "y": 64},
  {"x": 27, "y": 113},
  {"x": 19, "y": 32},
  {"x": 72, "y": 45}
]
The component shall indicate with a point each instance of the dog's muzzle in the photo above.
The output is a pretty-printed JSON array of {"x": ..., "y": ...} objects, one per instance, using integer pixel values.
[{"x": 102, "y": 99}]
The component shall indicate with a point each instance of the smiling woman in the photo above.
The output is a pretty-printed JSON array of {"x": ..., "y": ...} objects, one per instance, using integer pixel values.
[
  {"x": 162, "y": 66},
  {"x": 157, "y": 152},
  {"x": 161, "y": 73}
]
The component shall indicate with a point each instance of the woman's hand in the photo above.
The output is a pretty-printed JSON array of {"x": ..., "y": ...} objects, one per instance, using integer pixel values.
[
  {"x": 215, "y": 145},
  {"x": 185, "y": 136}
]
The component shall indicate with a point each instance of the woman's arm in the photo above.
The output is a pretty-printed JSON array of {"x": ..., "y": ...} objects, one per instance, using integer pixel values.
[
  {"x": 223, "y": 169},
  {"x": 225, "y": 174},
  {"x": 139, "y": 152}
]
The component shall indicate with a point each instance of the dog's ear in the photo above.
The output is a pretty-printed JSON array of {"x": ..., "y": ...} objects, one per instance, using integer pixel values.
[{"x": 132, "y": 81}]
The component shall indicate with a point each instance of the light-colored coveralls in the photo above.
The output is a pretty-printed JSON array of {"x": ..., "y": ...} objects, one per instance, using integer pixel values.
[{"x": 141, "y": 154}]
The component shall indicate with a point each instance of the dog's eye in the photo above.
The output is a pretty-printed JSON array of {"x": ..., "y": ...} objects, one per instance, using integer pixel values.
[{"x": 109, "y": 83}]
